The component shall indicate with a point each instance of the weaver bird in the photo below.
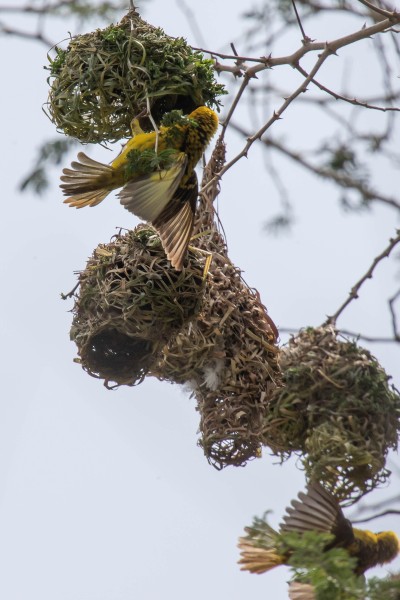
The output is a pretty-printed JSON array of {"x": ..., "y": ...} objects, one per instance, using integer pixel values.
[
  {"x": 317, "y": 510},
  {"x": 157, "y": 176}
]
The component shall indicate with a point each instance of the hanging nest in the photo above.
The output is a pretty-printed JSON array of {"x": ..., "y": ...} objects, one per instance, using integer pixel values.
[
  {"x": 228, "y": 354},
  {"x": 228, "y": 358},
  {"x": 103, "y": 79},
  {"x": 204, "y": 327},
  {"x": 337, "y": 410},
  {"x": 129, "y": 304}
]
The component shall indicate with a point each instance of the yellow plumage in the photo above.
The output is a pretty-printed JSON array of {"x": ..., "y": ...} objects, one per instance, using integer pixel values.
[
  {"x": 162, "y": 192},
  {"x": 318, "y": 510}
]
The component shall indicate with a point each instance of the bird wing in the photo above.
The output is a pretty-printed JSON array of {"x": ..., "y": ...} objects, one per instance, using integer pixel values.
[
  {"x": 175, "y": 224},
  {"x": 147, "y": 196},
  {"x": 315, "y": 510}
]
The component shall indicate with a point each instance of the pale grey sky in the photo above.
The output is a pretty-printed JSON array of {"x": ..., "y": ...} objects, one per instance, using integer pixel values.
[{"x": 104, "y": 495}]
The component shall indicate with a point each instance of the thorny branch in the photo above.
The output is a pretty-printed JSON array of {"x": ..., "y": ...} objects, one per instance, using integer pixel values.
[
  {"x": 353, "y": 101},
  {"x": 353, "y": 294},
  {"x": 391, "y": 302},
  {"x": 328, "y": 49},
  {"x": 338, "y": 177}
]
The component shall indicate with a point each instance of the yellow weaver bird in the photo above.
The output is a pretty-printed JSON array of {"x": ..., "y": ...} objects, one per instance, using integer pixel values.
[
  {"x": 318, "y": 510},
  {"x": 157, "y": 176}
]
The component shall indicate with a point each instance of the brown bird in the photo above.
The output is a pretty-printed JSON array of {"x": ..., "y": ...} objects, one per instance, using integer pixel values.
[{"x": 157, "y": 176}]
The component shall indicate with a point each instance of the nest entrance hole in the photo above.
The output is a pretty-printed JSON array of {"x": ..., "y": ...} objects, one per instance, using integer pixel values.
[{"x": 114, "y": 354}]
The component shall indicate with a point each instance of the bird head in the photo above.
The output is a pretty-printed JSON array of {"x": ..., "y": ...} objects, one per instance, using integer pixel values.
[{"x": 388, "y": 546}]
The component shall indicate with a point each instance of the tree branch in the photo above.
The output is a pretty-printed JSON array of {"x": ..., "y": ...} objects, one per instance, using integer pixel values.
[
  {"x": 391, "y": 302},
  {"x": 342, "y": 179},
  {"x": 353, "y": 294},
  {"x": 353, "y": 101},
  {"x": 327, "y": 48},
  {"x": 380, "y": 514}
]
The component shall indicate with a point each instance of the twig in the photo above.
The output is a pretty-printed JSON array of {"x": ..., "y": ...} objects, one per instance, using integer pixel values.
[
  {"x": 27, "y": 35},
  {"x": 71, "y": 293},
  {"x": 385, "y": 13},
  {"x": 381, "y": 514},
  {"x": 375, "y": 505},
  {"x": 37, "y": 10},
  {"x": 369, "y": 338},
  {"x": 276, "y": 115},
  {"x": 305, "y": 37},
  {"x": 328, "y": 49},
  {"x": 353, "y": 101},
  {"x": 192, "y": 22},
  {"x": 391, "y": 302},
  {"x": 224, "y": 56},
  {"x": 342, "y": 179},
  {"x": 353, "y": 294},
  {"x": 233, "y": 106}
]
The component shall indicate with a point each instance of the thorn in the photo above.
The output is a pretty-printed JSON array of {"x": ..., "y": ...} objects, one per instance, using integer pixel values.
[
  {"x": 266, "y": 60},
  {"x": 327, "y": 47}
]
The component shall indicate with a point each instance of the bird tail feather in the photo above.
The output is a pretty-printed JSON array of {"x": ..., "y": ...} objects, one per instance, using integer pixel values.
[
  {"x": 257, "y": 559},
  {"x": 301, "y": 591},
  {"x": 87, "y": 183}
]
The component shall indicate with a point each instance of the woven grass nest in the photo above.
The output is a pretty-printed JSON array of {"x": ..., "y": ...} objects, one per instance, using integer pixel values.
[
  {"x": 228, "y": 358},
  {"x": 204, "y": 327},
  {"x": 135, "y": 316},
  {"x": 104, "y": 78},
  {"x": 130, "y": 303},
  {"x": 337, "y": 410}
]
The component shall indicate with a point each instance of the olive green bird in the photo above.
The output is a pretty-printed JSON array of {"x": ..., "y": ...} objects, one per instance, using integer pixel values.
[
  {"x": 316, "y": 510},
  {"x": 156, "y": 171}
]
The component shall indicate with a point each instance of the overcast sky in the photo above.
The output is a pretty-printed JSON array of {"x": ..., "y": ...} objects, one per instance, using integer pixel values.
[{"x": 104, "y": 495}]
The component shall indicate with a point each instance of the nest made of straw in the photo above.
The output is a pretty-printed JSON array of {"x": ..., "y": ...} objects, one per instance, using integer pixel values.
[
  {"x": 104, "y": 79},
  {"x": 228, "y": 358},
  {"x": 129, "y": 304},
  {"x": 336, "y": 409}
]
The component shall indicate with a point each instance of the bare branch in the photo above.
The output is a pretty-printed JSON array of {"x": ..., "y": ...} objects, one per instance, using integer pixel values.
[
  {"x": 381, "y": 504},
  {"x": 35, "y": 36},
  {"x": 377, "y": 515},
  {"x": 305, "y": 37},
  {"x": 391, "y": 301},
  {"x": 353, "y": 294},
  {"x": 328, "y": 49},
  {"x": 353, "y": 101},
  {"x": 369, "y": 338},
  {"x": 223, "y": 56},
  {"x": 234, "y": 104},
  {"x": 342, "y": 179},
  {"x": 373, "y": 7},
  {"x": 192, "y": 22}
]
